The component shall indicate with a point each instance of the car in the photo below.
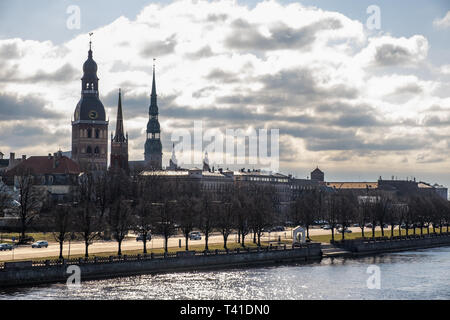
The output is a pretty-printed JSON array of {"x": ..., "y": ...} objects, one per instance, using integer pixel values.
[
  {"x": 195, "y": 235},
  {"x": 6, "y": 246},
  {"x": 40, "y": 244},
  {"x": 326, "y": 227},
  {"x": 369, "y": 225},
  {"x": 346, "y": 230},
  {"x": 141, "y": 237},
  {"x": 356, "y": 225},
  {"x": 277, "y": 229}
]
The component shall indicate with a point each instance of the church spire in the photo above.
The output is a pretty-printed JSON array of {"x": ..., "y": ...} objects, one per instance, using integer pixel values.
[
  {"x": 120, "y": 134},
  {"x": 154, "y": 97}
]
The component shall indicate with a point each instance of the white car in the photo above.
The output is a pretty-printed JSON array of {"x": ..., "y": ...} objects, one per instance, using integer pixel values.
[{"x": 40, "y": 244}]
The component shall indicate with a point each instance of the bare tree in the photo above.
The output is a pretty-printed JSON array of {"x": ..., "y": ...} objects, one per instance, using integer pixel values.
[
  {"x": 164, "y": 217},
  {"x": 307, "y": 208},
  {"x": 5, "y": 197},
  {"x": 61, "y": 222},
  {"x": 88, "y": 219},
  {"x": 262, "y": 211},
  {"x": 31, "y": 200},
  {"x": 331, "y": 208},
  {"x": 120, "y": 220},
  {"x": 346, "y": 208},
  {"x": 206, "y": 222},
  {"x": 188, "y": 212}
]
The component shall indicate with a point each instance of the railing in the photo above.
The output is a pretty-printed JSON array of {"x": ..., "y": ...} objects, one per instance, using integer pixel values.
[
  {"x": 395, "y": 238},
  {"x": 155, "y": 256}
]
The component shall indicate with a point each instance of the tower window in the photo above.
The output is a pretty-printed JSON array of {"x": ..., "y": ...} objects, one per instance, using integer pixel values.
[{"x": 89, "y": 133}]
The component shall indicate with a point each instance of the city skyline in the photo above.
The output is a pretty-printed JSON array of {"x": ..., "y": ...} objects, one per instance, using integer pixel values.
[{"x": 342, "y": 96}]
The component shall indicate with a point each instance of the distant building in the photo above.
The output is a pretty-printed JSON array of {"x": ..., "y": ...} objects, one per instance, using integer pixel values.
[
  {"x": 318, "y": 175},
  {"x": 56, "y": 174}
]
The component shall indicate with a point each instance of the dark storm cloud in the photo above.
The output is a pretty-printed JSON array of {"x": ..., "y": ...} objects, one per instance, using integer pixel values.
[
  {"x": 159, "y": 48},
  {"x": 13, "y": 107},
  {"x": 246, "y": 36},
  {"x": 390, "y": 54}
]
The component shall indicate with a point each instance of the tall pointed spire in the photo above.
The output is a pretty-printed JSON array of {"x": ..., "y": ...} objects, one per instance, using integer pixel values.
[
  {"x": 120, "y": 134},
  {"x": 154, "y": 96}
]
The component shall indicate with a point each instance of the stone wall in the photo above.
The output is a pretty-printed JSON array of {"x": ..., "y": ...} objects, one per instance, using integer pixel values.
[{"x": 107, "y": 269}]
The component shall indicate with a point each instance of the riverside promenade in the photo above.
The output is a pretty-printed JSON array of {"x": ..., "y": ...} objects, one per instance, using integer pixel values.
[{"x": 25, "y": 273}]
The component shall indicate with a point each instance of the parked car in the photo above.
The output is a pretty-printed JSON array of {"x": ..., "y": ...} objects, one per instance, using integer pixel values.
[
  {"x": 326, "y": 227},
  {"x": 141, "y": 237},
  {"x": 40, "y": 244},
  {"x": 195, "y": 235},
  {"x": 356, "y": 225},
  {"x": 6, "y": 246},
  {"x": 346, "y": 230},
  {"x": 369, "y": 225},
  {"x": 277, "y": 229}
]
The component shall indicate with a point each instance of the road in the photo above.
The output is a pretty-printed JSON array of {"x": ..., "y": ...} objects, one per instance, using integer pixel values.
[{"x": 77, "y": 248}]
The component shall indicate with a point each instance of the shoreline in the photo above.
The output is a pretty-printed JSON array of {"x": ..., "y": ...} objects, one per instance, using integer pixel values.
[{"x": 27, "y": 274}]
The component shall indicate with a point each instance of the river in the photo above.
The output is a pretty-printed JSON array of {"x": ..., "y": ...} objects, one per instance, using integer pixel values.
[{"x": 421, "y": 274}]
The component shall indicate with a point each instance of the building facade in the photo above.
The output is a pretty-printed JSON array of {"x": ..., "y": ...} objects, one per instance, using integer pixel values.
[{"x": 90, "y": 127}]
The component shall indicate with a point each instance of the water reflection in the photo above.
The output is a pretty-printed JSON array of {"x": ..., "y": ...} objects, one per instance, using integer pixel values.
[{"x": 419, "y": 274}]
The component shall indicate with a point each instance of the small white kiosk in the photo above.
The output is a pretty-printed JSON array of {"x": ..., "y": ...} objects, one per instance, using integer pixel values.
[{"x": 298, "y": 235}]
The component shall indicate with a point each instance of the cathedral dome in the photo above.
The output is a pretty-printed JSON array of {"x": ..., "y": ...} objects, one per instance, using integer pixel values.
[
  {"x": 90, "y": 66},
  {"x": 90, "y": 108}
]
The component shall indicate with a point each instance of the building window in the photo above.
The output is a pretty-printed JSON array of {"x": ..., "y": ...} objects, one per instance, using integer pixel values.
[
  {"x": 97, "y": 150},
  {"x": 89, "y": 133},
  {"x": 97, "y": 133},
  {"x": 89, "y": 149}
]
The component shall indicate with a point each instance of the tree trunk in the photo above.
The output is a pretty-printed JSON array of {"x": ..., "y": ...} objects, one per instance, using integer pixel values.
[
  {"x": 206, "y": 241},
  {"x": 239, "y": 236},
  {"x": 119, "y": 252},
  {"x": 243, "y": 240},
  {"x": 362, "y": 231},
  {"x": 392, "y": 231},
  {"x": 61, "y": 250},
  {"x": 332, "y": 234},
  {"x": 86, "y": 254},
  {"x": 166, "y": 243},
  {"x": 225, "y": 239},
  {"x": 187, "y": 244},
  {"x": 145, "y": 244},
  {"x": 373, "y": 231}
]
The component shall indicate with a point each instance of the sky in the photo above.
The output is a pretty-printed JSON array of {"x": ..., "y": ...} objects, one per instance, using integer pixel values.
[{"x": 360, "y": 102}]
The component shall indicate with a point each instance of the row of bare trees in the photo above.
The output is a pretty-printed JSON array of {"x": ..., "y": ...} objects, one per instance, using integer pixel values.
[
  {"x": 111, "y": 205},
  {"x": 342, "y": 209}
]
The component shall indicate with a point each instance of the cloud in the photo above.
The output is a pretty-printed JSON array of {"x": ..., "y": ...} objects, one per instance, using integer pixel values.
[
  {"x": 387, "y": 51},
  {"x": 13, "y": 107},
  {"x": 442, "y": 23},
  {"x": 337, "y": 93}
]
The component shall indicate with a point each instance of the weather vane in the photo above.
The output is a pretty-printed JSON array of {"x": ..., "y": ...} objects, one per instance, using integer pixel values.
[{"x": 90, "y": 40}]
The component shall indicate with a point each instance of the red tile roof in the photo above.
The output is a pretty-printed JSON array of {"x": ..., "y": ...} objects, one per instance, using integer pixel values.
[{"x": 44, "y": 165}]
